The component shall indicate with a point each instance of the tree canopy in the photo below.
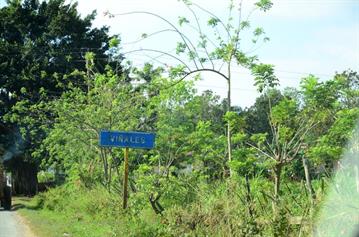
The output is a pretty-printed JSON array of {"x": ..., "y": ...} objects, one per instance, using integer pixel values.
[{"x": 42, "y": 44}]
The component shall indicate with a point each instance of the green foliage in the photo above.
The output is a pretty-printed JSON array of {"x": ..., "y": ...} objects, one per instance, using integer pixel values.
[
  {"x": 219, "y": 208},
  {"x": 45, "y": 177},
  {"x": 232, "y": 118},
  {"x": 331, "y": 145},
  {"x": 245, "y": 25},
  {"x": 186, "y": 172},
  {"x": 182, "y": 20},
  {"x": 181, "y": 47},
  {"x": 89, "y": 57},
  {"x": 264, "y": 5},
  {"x": 177, "y": 71},
  {"x": 264, "y": 76},
  {"x": 285, "y": 112},
  {"x": 114, "y": 42},
  {"x": 259, "y": 138},
  {"x": 244, "y": 60},
  {"x": 258, "y": 31},
  {"x": 256, "y": 117},
  {"x": 213, "y": 21},
  {"x": 244, "y": 161},
  {"x": 59, "y": 105},
  {"x": 43, "y": 39}
]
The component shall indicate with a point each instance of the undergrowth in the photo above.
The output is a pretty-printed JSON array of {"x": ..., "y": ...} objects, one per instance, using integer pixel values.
[{"x": 215, "y": 209}]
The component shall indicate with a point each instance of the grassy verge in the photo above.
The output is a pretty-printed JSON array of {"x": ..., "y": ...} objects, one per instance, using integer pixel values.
[
  {"x": 223, "y": 209},
  {"x": 47, "y": 223}
]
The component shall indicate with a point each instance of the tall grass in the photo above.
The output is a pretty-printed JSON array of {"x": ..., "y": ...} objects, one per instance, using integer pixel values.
[{"x": 227, "y": 208}]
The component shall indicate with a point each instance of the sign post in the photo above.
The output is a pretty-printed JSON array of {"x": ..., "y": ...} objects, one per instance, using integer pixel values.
[
  {"x": 125, "y": 180},
  {"x": 126, "y": 140}
]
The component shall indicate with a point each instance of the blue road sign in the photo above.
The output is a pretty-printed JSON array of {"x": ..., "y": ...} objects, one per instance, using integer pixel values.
[{"x": 127, "y": 139}]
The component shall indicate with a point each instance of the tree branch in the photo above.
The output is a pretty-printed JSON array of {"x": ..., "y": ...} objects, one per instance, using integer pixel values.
[
  {"x": 168, "y": 22},
  {"x": 161, "y": 52},
  {"x": 216, "y": 17},
  {"x": 261, "y": 151}
]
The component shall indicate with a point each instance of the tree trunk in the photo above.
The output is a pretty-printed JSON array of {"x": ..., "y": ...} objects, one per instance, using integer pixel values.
[
  {"x": 229, "y": 146},
  {"x": 277, "y": 176},
  {"x": 24, "y": 177},
  {"x": 308, "y": 179},
  {"x": 156, "y": 206},
  {"x": 249, "y": 199},
  {"x": 229, "y": 132}
]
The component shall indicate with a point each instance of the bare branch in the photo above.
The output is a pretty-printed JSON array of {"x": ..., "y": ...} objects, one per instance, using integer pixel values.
[
  {"x": 155, "y": 59},
  {"x": 216, "y": 17},
  {"x": 168, "y": 22},
  {"x": 148, "y": 36},
  {"x": 195, "y": 71},
  {"x": 239, "y": 23},
  {"x": 270, "y": 148},
  {"x": 300, "y": 131},
  {"x": 161, "y": 52},
  {"x": 201, "y": 35},
  {"x": 261, "y": 151}
]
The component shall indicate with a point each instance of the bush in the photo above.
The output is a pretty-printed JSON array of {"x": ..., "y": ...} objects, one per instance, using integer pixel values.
[{"x": 212, "y": 209}]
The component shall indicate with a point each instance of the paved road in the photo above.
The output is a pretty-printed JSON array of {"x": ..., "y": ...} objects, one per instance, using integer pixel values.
[{"x": 11, "y": 225}]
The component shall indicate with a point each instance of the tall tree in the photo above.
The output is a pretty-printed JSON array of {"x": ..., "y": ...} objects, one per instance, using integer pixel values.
[
  {"x": 40, "y": 44},
  {"x": 216, "y": 52},
  {"x": 256, "y": 116}
]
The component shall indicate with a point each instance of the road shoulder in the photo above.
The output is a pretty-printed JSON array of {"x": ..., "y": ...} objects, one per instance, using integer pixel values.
[{"x": 25, "y": 225}]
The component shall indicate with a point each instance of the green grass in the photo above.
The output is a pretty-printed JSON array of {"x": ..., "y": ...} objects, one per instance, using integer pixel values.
[
  {"x": 218, "y": 209},
  {"x": 47, "y": 223}
]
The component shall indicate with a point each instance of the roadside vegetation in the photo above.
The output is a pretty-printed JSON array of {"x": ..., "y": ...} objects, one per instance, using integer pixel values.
[
  {"x": 223, "y": 209},
  {"x": 216, "y": 169}
]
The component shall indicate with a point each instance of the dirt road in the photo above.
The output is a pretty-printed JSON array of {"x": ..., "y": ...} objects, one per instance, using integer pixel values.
[{"x": 12, "y": 225}]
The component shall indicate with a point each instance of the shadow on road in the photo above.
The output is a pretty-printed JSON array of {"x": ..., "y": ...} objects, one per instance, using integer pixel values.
[
  {"x": 13, "y": 207},
  {"x": 17, "y": 207},
  {"x": 21, "y": 203}
]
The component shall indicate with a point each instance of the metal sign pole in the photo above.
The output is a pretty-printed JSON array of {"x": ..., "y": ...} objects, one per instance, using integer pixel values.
[{"x": 125, "y": 180}]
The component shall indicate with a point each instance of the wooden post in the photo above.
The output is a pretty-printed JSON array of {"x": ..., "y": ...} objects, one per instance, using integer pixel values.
[
  {"x": 125, "y": 180},
  {"x": 308, "y": 179}
]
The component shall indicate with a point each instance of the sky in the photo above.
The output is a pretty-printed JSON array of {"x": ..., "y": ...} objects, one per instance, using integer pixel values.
[{"x": 317, "y": 37}]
